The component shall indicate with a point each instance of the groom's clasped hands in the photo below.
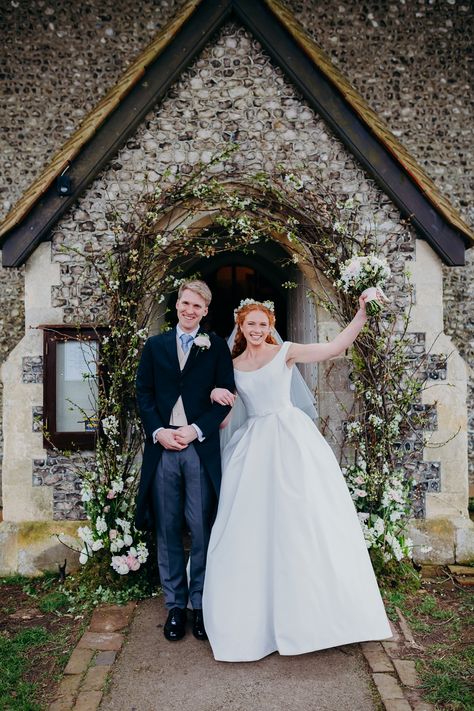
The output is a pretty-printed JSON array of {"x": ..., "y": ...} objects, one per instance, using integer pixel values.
[{"x": 176, "y": 439}]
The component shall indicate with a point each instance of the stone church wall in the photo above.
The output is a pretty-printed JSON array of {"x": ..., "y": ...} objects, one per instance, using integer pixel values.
[{"x": 409, "y": 60}]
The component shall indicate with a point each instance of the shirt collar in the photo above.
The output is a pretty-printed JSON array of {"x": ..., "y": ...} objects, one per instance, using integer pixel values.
[{"x": 179, "y": 331}]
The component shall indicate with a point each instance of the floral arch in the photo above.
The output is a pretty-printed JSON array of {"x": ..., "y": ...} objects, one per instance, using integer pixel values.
[{"x": 200, "y": 216}]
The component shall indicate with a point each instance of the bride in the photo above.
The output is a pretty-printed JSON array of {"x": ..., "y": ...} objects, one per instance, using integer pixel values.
[{"x": 287, "y": 567}]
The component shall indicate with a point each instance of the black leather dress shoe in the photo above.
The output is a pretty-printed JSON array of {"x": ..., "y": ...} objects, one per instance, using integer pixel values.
[
  {"x": 175, "y": 625},
  {"x": 198, "y": 625}
]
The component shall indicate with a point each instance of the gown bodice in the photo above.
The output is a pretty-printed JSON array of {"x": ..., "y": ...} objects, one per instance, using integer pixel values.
[{"x": 266, "y": 390}]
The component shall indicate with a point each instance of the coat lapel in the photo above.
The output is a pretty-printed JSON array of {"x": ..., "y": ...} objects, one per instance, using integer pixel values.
[
  {"x": 193, "y": 353},
  {"x": 172, "y": 348}
]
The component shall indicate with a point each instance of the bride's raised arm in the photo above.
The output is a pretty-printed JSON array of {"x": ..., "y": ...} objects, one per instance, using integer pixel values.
[{"x": 316, "y": 352}]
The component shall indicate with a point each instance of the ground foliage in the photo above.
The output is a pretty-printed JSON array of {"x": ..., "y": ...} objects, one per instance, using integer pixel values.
[
  {"x": 41, "y": 620},
  {"x": 37, "y": 633},
  {"x": 440, "y": 613}
]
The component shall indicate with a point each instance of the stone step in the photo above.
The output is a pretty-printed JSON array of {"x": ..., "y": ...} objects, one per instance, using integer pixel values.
[
  {"x": 461, "y": 569},
  {"x": 432, "y": 571},
  {"x": 464, "y": 580}
]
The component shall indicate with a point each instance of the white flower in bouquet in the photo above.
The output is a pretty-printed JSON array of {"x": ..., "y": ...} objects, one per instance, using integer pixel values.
[
  {"x": 127, "y": 539},
  {"x": 117, "y": 486},
  {"x": 142, "y": 552},
  {"x": 123, "y": 524},
  {"x": 85, "y": 533},
  {"x": 365, "y": 274},
  {"x": 110, "y": 425},
  {"x": 379, "y": 526},
  {"x": 116, "y": 545},
  {"x": 100, "y": 525},
  {"x": 86, "y": 493}
]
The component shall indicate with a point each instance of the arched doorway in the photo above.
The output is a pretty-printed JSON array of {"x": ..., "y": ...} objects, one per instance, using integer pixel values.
[
  {"x": 239, "y": 276},
  {"x": 233, "y": 276}
]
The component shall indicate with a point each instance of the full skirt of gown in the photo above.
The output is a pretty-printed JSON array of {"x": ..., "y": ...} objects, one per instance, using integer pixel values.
[{"x": 288, "y": 569}]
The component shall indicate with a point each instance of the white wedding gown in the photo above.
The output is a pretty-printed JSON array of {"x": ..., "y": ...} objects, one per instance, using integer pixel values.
[{"x": 287, "y": 568}]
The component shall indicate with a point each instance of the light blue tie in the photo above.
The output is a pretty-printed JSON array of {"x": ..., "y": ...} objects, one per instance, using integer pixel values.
[{"x": 186, "y": 340}]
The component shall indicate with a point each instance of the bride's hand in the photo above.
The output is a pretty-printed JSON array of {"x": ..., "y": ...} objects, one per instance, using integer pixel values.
[
  {"x": 362, "y": 305},
  {"x": 222, "y": 396}
]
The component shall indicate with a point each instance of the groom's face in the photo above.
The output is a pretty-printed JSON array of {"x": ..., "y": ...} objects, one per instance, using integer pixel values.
[{"x": 191, "y": 307}]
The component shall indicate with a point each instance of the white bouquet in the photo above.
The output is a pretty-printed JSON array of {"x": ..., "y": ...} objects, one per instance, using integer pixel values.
[{"x": 365, "y": 275}]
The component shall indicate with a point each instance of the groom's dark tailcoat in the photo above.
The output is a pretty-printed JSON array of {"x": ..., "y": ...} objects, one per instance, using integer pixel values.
[{"x": 160, "y": 382}]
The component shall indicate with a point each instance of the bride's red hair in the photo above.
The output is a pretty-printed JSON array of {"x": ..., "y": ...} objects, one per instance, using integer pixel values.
[{"x": 239, "y": 342}]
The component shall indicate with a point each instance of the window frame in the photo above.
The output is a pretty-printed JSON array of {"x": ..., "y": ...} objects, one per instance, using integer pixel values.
[{"x": 52, "y": 335}]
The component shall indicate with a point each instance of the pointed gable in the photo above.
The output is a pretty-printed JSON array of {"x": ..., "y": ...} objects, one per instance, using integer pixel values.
[{"x": 146, "y": 82}]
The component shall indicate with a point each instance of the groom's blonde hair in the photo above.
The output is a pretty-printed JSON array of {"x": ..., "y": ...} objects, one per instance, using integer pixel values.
[{"x": 199, "y": 287}]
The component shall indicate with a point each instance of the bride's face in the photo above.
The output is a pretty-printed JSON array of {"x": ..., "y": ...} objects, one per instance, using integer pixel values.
[{"x": 255, "y": 327}]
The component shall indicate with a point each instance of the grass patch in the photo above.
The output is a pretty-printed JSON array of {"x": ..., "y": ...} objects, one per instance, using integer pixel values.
[
  {"x": 53, "y": 602},
  {"x": 13, "y": 580},
  {"x": 16, "y": 694},
  {"x": 440, "y": 614},
  {"x": 393, "y": 599},
  {"x": 35, "y": 646},
  {"x": 448, "y": 680}
]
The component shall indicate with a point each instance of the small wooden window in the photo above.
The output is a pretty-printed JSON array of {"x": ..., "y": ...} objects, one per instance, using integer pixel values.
[{"x": 71, "y": 371}]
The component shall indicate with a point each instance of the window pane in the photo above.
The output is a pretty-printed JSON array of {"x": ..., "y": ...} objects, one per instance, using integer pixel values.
[{"x": 76, "y": 385}]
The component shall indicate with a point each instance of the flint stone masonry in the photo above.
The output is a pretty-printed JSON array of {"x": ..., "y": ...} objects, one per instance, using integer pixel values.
[
  {"x": 57, "y": 471},
  {"x": 244, "y": 91},
  {"x": 37, "y": 418},
  {"x": 59, "y": 60},
  {"x": 427, "y": 476},
  {"x": 32, "y": 369},
  {"x": 436, "y": 367},
  {"x": 422, "y": 92}
]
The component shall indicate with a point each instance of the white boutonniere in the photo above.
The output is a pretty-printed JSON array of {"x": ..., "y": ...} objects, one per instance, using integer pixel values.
[{"x": 202, "y": 341}]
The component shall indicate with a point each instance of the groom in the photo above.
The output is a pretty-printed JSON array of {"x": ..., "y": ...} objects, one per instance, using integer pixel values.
[{"x": 181, "y": 469}]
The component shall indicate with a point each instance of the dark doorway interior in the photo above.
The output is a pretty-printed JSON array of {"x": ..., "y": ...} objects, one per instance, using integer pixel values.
[{"x": 235, "y": 276}]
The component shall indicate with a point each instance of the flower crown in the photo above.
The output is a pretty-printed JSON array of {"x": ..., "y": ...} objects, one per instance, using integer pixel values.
[{"x": 247, "y": 302}]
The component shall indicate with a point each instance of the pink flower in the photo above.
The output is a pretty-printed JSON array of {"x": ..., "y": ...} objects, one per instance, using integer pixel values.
[
  {"x": 113, "y": 533},
  {"x": 119, "y": 564},
  {"x": 132, "y": 562},
  {"x": 111, "y": 494}
]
